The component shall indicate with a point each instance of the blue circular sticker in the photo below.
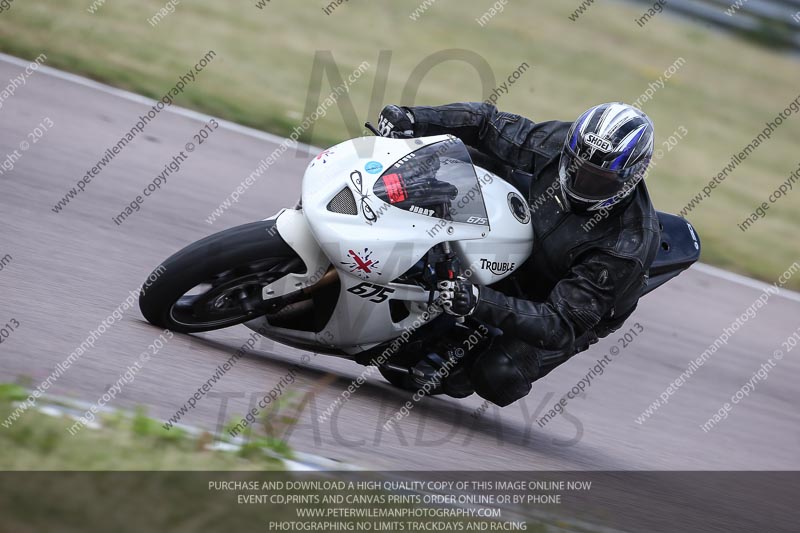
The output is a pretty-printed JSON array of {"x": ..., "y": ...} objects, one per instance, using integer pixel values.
[{"x": 373, "y": 167}]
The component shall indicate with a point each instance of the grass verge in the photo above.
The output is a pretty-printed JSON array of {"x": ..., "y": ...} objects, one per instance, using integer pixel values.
[
  {"x": 131, "y": 474},
  {"x": 38, "y": 441},
  {"x": 723, "y": 94}
]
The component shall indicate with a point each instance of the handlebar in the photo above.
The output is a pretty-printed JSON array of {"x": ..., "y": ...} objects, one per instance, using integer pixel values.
[
  {"x": 372, "y": 128},
  {"x": 395, "y": 135}
]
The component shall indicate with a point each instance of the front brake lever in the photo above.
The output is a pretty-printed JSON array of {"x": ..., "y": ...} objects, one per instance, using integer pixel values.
[
  {"x": 395, "y": 135},
  {"x": 373, "y": 129}
]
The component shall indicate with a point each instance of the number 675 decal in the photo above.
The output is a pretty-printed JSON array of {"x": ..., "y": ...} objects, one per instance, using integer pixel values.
[{"x": 375, "y": 293}]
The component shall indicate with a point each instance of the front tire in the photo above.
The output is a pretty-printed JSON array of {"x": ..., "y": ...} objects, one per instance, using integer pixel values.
[{"x": 231, "y": 265}]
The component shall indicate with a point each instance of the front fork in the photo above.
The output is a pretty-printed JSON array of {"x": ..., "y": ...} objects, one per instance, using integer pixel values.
[{"x": 293, "y": 228}]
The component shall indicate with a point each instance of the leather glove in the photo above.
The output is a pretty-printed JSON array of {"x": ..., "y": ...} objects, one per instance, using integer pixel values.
[
  {"x": 459, "y": 297},
  {"x": 396, "y": 122}
]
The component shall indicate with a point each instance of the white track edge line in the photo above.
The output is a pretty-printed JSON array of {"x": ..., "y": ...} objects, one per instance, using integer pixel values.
[
  {"x": 744, "y": 280},
  {"x": 277, "y": 139},
  {"x": 133, "y": 97}
]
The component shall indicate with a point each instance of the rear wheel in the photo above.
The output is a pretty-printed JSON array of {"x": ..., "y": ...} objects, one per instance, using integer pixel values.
[{"x": 216, "y": 282}]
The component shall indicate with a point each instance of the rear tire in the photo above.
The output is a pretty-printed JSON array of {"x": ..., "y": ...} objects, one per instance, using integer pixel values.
[{"x": 249, "y": 255}]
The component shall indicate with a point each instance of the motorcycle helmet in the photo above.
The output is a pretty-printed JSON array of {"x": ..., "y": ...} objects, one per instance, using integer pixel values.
[{"x": 605, "y": 155}]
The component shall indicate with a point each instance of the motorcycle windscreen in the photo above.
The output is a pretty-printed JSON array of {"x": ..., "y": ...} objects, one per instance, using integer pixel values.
[{"x": 439, "y": 181}]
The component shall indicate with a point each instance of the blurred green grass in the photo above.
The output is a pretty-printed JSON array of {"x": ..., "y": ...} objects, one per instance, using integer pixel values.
[
  {"x": 101, "y": 490},
  {"x": 725, "y": 92},
  {"x": 37, "y": 441}
]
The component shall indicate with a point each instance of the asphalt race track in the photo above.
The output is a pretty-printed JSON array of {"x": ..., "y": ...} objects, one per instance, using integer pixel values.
[{"x": 70, "y": 270}]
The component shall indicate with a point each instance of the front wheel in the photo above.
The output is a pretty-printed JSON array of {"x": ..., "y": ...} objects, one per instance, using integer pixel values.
[{"x": 216, "y": 282}]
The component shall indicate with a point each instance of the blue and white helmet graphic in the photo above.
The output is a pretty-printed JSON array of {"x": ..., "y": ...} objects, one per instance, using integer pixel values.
[{"x": 605, "y": 155}]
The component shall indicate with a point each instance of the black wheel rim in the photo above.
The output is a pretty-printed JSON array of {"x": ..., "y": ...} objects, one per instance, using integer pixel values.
[{"x": 229, "y": 298}]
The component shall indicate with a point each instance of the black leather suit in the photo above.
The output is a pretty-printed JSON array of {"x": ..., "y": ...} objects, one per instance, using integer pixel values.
[{"x": 582, "y": 280}]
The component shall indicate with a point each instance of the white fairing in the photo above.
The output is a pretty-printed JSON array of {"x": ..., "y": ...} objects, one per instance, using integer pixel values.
[
  {"x": 379, "y": 241},
  {"x": 397, "y": 239},
  {"x": 510, "y": 242}
]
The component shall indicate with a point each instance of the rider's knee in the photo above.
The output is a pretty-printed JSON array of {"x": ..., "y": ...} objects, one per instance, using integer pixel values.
[{"x": 499, "y": 376}]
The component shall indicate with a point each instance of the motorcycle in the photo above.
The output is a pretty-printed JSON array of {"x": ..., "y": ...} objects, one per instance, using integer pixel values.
[{"x": 356, "y": 269}]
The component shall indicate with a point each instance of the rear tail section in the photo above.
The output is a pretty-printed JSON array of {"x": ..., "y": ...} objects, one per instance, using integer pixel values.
[{"x": 680, "y": 249}]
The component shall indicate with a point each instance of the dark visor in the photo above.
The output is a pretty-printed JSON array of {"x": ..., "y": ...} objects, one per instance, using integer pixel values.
[{"x": 590, "y": 182}]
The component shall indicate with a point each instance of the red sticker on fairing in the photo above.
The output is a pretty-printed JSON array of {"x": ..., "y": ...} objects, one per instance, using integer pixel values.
[{"x": 395, "y": 188}]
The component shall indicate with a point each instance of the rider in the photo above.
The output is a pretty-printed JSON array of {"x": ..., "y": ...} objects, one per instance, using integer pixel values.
[{"x": 595, "y": 233}]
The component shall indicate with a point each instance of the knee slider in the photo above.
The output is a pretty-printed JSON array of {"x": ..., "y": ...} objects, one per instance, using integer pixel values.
[{"x": 497, "y": 378}]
